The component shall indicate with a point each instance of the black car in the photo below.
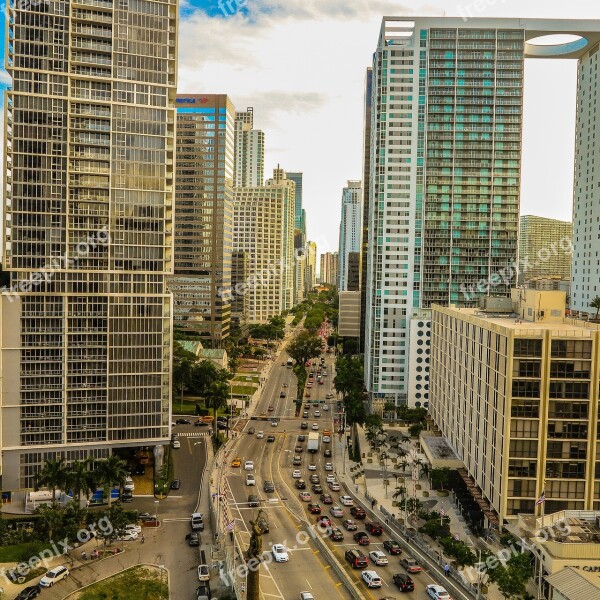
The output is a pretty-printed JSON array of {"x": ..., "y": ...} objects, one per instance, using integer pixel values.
[
  {"x": 336, "y": 535},
  {"x": 317, "y": 489},
  {"x": 139, "y": 470},
  {"x": 127, "y": 496},
  {"x": 327, "y": 452},
  {"x": 221, "y": 426},
  {"x": 268, "y": 486},
  {"x": 253, "y": 500},
  {"x": 300, "y": 484},
  {"x": 304, "y": 425},
  {"x": 270, "y": 438},
  {"x": 301, "y": 438},
  {"x": 223, "y": 419},
  {"x": 297, "y": 461},
  {"x": 176, "y": 484},
  {"x": 251, "y": 430},
  {"x": 358, "y": 513},
  {"x": 203, "y": 592},
  {"x": 315, "y": 479},
  {"x": 200, "y": 423},
  {"x": 362, "y": 538},
  {"x": 183, "y": 422},
  {"x": 282, "y": 395},
  {"x": 29, "y": 592},
  {"x": 392, "y": 547},
  {"x": 193, "y": 539},
  {"x": 403, "y": 582}
]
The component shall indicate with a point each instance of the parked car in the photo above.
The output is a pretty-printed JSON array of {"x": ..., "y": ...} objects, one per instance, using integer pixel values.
[
  {"x": 203, "y": 592},
  {"x": 31, "y": 591},
  {"x": 301, "y": 438},
  {"x": 193, "y": 539},
  {"x": 312, "y": 467},
  {"x": 54, "y": 575},
  {"x": 133, "y": 527},
  {"x": 203, "y": 573},
  {"x": 200, "y": 423},
  {"x": 297, "y": 461},
  {"x": 299, "y": 449},
  {"x": 176, "y": 484},
  {"x": 129, "y": 485},
  {"x": 304, "y": 425},
  {"x": 393, "y": 547},
  {"x": 127, "y": 496},
  {"x": 403, "y": 582},
  {"x": 411, "y": 565}
]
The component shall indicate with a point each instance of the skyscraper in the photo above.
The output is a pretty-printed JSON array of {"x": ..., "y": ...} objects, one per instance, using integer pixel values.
[
  {"x": 88, "y": 214},
  {"x": 203, "y": 215},
  {"x": 446, "y": 148},
  {"x": 350, "y": 228},
  {"x": 249, "y": 166},
  {"x": 329, "y": 268},
  {"x": 311, "y": 266},
  {"x": 299, "y": 218}
]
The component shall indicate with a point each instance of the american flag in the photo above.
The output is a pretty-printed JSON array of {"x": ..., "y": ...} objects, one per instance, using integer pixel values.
[
  {"x": 230, "y": 526},
  {"x": 443, "y": 511},
  {"x": 541, "y": 499}
]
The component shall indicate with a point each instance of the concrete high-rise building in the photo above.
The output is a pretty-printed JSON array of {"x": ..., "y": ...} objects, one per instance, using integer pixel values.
[
  {"x": 350, "y": 228},
  {"x": 296, "y": 177},
  {"x": 311, "y": 266},
  {"x": 203, "y": 215},
  {"x": 300, "y": 277},
  {"x": 446, "y": 132},
  {"x": 240, "y": 272},
  {"x": 88, "y": 221},
  {"x": 544, "y": 248},
  {"x": 249, "y": 165},
  {"x": 263, "y": 229},
  {"x": 514, "y": 390},
  {"x": 366, "y": 203},
  {"x": 353, "y": 272},
  {"x": 329, "y": 268},
  {"x": 349, "y": 314}
]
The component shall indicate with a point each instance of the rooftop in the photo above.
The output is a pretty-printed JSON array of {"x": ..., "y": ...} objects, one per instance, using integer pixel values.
[{"x": 574, "y": 584}]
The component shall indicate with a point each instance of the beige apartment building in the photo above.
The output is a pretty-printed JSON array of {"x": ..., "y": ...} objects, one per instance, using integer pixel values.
[
  {"x": 514, "y": 389},
  {"x": 203, "y": 215}
]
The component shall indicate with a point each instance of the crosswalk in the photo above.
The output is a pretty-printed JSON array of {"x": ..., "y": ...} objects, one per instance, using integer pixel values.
[{"x": 194, "y": 434}]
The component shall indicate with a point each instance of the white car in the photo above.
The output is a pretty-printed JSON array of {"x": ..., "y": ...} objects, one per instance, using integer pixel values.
[
  {"x": 326, "y": 439},
  {"x": 260, "y": 435},
  {"x": 203, "y": 573},
  {"x": 249, "y": 465},
  {"x": 378, "y": 557},
  {"x": 334, "y": 486},
  {"x": 315, "y": 427},
  {"x": 128, "y": 536},
  {"x": 346, "y": 501},
  {"x": 129, "y": 485},
  {"x": 371, "y": 579},
  {"x": 330, "y": 478},
  {"x": 437, "y": 592},
  {"x": 134, "y": 527},
  {"x": 280, "y": 553},
  {"x": 328, "y": 467},
  {"x": 274, "y": 423},
  {"x": 312, "y": 467},
  {"x": 296, "y": 474},
  {"x": 306, "y": 596},
  {"x": 317, "y": 413},
  {"x": 325, "y": 407},
  {"x": 54, "y": 575},
  {"x": 250, "y": 479},
  {"x": 336, "y": 511}
]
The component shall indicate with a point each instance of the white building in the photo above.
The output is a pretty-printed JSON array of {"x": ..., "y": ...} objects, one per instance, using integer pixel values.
[
  {"x": 249, "y": 170},
  {"x": 350, "y": 228}
]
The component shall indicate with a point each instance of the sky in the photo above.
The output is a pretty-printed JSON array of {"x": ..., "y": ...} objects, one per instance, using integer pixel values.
[{"x": 301, "y": 64}]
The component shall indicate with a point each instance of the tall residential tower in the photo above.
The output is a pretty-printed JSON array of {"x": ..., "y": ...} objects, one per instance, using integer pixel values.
[{"x": 350, "y": 229}]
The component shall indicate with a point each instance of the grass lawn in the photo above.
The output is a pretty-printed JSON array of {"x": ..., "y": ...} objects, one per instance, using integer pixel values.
[
  {"x": 133, "y": 584},
  {"x": 189, "y": 404},
  {"x": 243, "y": 390},
  {"x": 249, "y": 378},
  {"x": 21, "y": 552}
]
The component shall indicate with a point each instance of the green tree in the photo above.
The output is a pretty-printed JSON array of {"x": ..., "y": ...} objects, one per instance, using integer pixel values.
[
  {"x": 203, "y": 375},
  {"x": 109, "y": 472},
  {"x": 49, "y": 522},
  {"x": 512, "y": 578},
  {"x": 595, "y": 303},
  {"x": 304, "y": 347},
  {"x": 53, "y": 475},
  {"x": 216, "y": 398},
  {"x": 440, "y": 476},
  {"x": 80, "y": 479},
  {"x": 415, "y": 429},
  {"x": 374, "y": 421},
  {"x": 400, "y": 492}
]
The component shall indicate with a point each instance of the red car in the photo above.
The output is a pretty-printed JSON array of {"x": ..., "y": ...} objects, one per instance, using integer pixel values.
[
  {"x": 358, "y": 513},
  {"x": 314, "y": 508},
  {"x": 374, "y": 528},
  {"x": 362, "y": 538},
  {"x": 324, "y": 521},
  {"x": 326, "y": 499}
]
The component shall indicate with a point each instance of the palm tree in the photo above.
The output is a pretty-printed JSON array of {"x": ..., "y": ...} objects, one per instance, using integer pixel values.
[
  {"x": 400, "y": 491},
  {"x": 218, "y": 392},
  {"x": 53, "y": 475},
  {"x": 595, "y": 303},
  {"x": 404, "y": 463},
  {"x": 80, "y": 479},
  {"x": 111, "y": 471},
  {"x": 425, "y": 470}
]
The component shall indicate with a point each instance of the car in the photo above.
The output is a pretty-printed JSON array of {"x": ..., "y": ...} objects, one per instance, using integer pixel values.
[
  {"x": 309, "y": 384},
  {"x": 253, "y": 500},
  {"x": 31, "y": 591},
  {"x": 249, "y": 465},
  {"x": 144, "y": 517},
  {"x": 139, "y": 470},
  {"x": 250, "y": 479},
  {"x": 270, "y": 439},
  {"x": 321, "y": 382},
  {"x": 236, "y": 462},
  {"x": 274, "y": 423},
  {"x": 349, "y": 525},
  {"x": 356, "y": 558},
  {"x": 299, "y": 449},
  {"x": 260, "y": 435},
  {"x": 203, "y": 592},
  {"x": 54, "y": 575},
  {"x": 314, "y": 508},
  {"x": 197, "y": 522},
  {"x": 328, "y": 397},
  {"x": 221, "y": 426},
  {"x": 411, "y": 565},
  {"x": 193, "y": 539},
  {"x": 312, "y": 467},
  {"x": 203, "y": 573},
  {"x": 200, "y": 423},
  {"x": 393, "y": 547},
  {"x": 296, "y": 474},
  {"x": 280, "y": 553},
  {"x": 325, "y": 407},
  {"x": 251, "y": 430},
  {"x": 297, "y": 461},
  {"x": 336, "y": 535},
  {"x": 346, "y": 501},
  {"x": 317, "y": 489},
  {"x": 282, "y": 394},
  {"x": 374, "y": 528},
  {"x": 315, "y": 427},
  {"x": 378, "y": 557},
  {"x": 268, "y": 486},
  {"x": 358, "y": 513},
  {"x": 326, "y": 439},
  {"x": 305, "y": 496},
  {"x": 336, "y": 511},
  {"x": 127, "y": 535},
  {"x": 329, "y": 478},
  {"x": 327, "y": 452},
  {"x": 317, "y": 413},
  {"x": 304, "y": 425},
  {"x": 306, "y": 596},
  {"x": 300, "y": 484},
  {"x": 271, "y": 408},
  {"x": 371, "y": 579},
  {"x": 362, "y": 538},
  {"x": 307, "y": 394},
  {"x": 285, "y": 385},
  {"x": 403, "y": 582},
  {"x": 314, "y": 478},
  {"x": 324, "y": 521},
  {"x": 301, "y": 438},
  {"x": 175, "y": 444},
  {"x": 176, "y": 484},
  {"x": 127, "y": 496},
  {"x": 326, "y": 499},
  {"x": 305, "y": 414},
  {"x": 328, "y": 467},
  {"x": 334, "y": 486},
  {"x": 437, "y": 592},
  {"x": 133, "y": 527},
  {"x": 129, "y": 486},
  {"x": 183, "y": 422}
]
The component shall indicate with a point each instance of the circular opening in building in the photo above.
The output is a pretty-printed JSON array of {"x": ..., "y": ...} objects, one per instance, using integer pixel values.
[{"x": 558, "y": 44}]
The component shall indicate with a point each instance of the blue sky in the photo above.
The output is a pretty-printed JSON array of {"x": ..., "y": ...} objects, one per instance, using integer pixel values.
[{"x": 301, "y": 65}]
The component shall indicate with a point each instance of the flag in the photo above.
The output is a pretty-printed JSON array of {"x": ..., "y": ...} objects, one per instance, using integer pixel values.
[
  {"x": 442, "y": 512},
  {"x": 229, "y": 526},
  {"x": 541, "y": 499}
]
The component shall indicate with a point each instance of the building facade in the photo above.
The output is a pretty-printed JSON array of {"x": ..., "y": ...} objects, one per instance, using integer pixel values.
[
  {"x": 353, "y": 272},
  {"x": 203, "y": 215},
  {"x": 349, "y": 314},
  {"x": 311, "y": 266},
  {"x": 350, "y": 229},
  {"x": 240, "y": 272},
  {"x": 249, "y": 165},
  {"x": 446, "y": 132},
  {"x": 297, "y": 177},
  {"x": 329, "y": 268},
  {"x": 514, "y": 390},
  {"x": 88, "y": 236},
  {"x": 300, "y": 277},
  {"x": 544, "y": 248}
]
